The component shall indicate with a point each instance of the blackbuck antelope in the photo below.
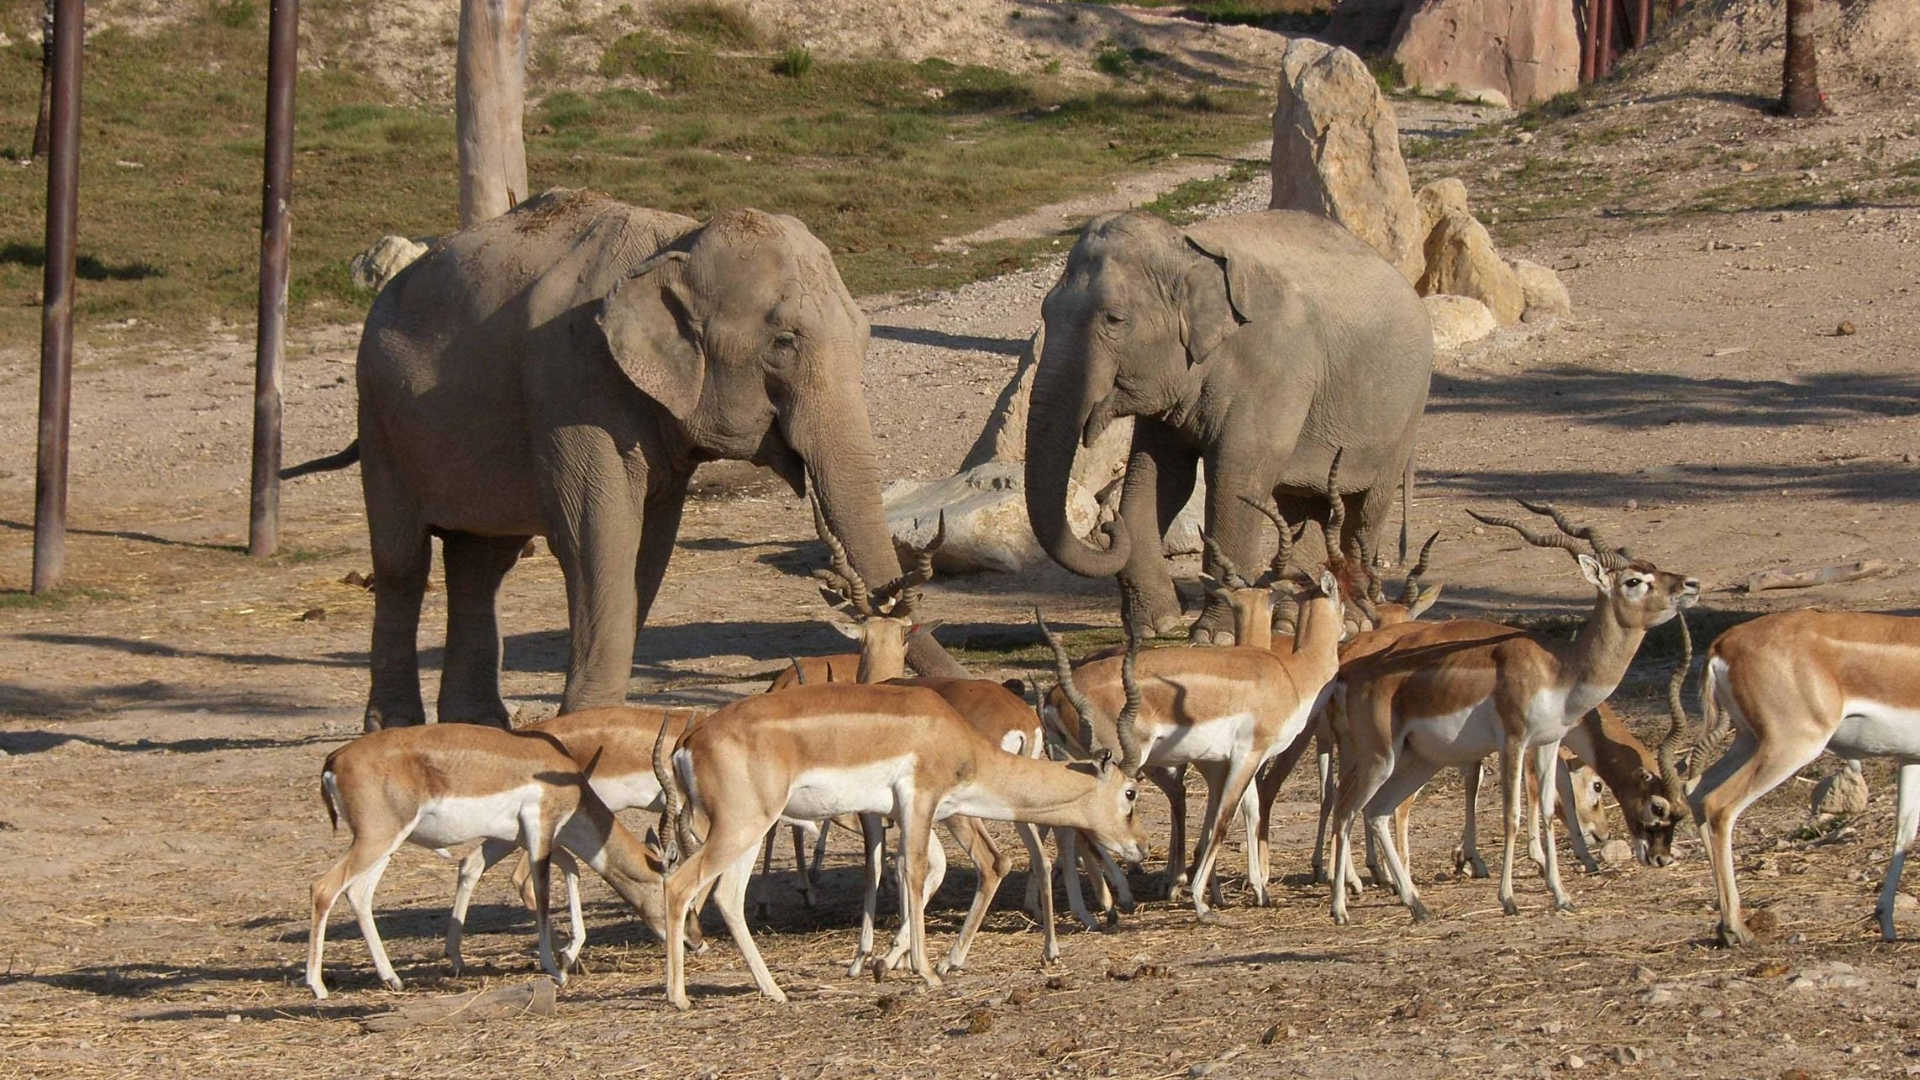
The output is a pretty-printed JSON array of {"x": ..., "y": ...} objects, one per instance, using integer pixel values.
[
  {"x": 882, "y": 622},
  {"x": 448, "y": 784},
  {"x": 1223, "y": 709},
  {"x": 818, "y": 751},
  {"x": 613, "y": 747},
  {"x": 1449, "y": 694},
  {"x": 1794, "y": 684}
]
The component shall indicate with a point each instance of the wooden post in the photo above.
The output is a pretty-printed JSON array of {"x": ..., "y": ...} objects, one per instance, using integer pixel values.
[
  {"x": 1603, "y": 40},
  {"x": 1642, "y": 22},
  {"x": 283, "y": 43},
  {"x": 56, "y": 306},
  {"x": 489, "y": 98},
  {"x": 1589, "y": 41},
  {"x": 1799, "y": 75}
]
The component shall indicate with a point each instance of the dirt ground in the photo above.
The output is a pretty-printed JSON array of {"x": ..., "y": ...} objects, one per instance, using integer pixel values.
[{"x": 163, "y": 722}]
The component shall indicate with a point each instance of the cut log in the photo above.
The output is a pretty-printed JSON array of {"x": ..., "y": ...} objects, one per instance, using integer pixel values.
[{"x": 1819, "y": 575}]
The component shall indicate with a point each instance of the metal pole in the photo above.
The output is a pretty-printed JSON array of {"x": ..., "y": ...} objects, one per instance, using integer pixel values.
[
  {"x": 283, "y": 37},
  {"x": 1603, "y": 40},
  {"x": 56, "y": 311},
  {"x": 1642, "y": 22}
]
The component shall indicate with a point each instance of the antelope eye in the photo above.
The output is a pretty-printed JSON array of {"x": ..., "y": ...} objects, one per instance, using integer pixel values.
[{"x": 1132, "y": 794}]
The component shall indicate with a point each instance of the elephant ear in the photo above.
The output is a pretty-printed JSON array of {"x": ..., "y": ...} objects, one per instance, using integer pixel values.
[
  {"x": 1223, "y": 290},
  {"x": 648, "y": 323}
]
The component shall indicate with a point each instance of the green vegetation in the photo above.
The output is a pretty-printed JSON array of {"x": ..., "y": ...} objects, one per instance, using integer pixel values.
[
  {"x": 794, "y": 63},
  {"x": 1387, "y": 73},
  {"x": 721, "y": 25},
  {"x": 869, "y": 153},
  {"x": 53, "y": 599},
  {"x": 1181, "y": 205},
  {"x": 1122, "y": 61}
]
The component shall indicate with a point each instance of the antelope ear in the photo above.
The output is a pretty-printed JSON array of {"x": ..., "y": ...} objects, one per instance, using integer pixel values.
[
  {"x": 1595, "y": 574},
  {"x": 1328, "y": 584},
  {"x": 1661, "y": 810},
  {"x": 848, "y": 628},
  {"x": 1425, "y": 600},
  {"x": 1103, "y": 761},
  {"x": 647, "y": 322}
]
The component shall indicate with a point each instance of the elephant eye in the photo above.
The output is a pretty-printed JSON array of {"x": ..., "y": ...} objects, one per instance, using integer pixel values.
[
  {"x": 786, "y": 339},
  {"x": 1114, "y": 318}
]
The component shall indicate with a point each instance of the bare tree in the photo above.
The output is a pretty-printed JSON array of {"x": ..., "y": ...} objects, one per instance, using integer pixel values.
[
  {"x": 489, "y": 94},
  {"x": 1800, "y": 78},
  {"x": 42, "y": 129}
]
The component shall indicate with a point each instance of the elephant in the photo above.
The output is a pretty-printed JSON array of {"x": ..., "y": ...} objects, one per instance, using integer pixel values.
[
  {"x": 1256, "y": 345},
  {"x": 560, "y": 370}
]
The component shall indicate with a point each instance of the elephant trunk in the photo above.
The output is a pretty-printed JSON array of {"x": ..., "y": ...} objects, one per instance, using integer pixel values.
[
  {"x": 1056, "y": 417},
  {"x": 838, "y": 446}
]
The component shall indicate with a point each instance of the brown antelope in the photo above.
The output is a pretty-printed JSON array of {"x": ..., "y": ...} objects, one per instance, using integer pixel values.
[
  {"x": 1224, "y": 709},
  {"x": 613, "y": 747},
  {"x": 818, "y": 751},
  {"x": 1791, "y": 685},
  {"x": 447, "y": 784},
  {"x": 881, "y": 622},
  {"x": 1452, "y": 693}
]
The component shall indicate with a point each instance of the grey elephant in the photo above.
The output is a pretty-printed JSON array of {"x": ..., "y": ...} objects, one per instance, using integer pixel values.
[
  {"x": 1253, "y": 344},
  {"x": 560, "y": 370}
]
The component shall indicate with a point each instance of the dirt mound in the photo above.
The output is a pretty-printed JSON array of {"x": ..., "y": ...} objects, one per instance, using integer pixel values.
[
  {"x": 409, "y": 44},
  {"x": 1739, "y": 44}
]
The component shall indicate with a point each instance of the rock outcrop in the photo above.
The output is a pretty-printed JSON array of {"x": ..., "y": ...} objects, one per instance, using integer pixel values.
[
  {"x": 1336, "y": 152},
  {"x": 1458, "y": 321},
  {"x": 387, "y": 256},
  {"x": 1523, "y": 50},
  {"x": 1461, "y": 261}
]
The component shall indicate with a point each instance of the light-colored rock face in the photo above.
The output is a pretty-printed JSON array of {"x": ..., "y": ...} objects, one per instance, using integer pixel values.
[
  {"x": 1525, "y": 50},
  {"x": 1436, "y": 198},
  {"x": 1844, "y": 794},
  {"x": 1461, "y": 261},
  {"x": 1546, "y": 297},
  {"x": 1458, "y": 321},
  {"x": 374, "y": 267},
  {"x": 1336, "y": 152},
  {"x": 986, "y": 512}
]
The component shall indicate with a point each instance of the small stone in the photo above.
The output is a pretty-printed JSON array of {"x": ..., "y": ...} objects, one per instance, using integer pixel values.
[
  {"x": 979, "y": 1022},
  {"x": 1748, "y": 166},
  {"x": 1616, "y": 852},
  {"x": 233, "y": 1018},
  {"x": 1844, "y": 982},
  {"x": 1058, "y": 982},
  {"x": 1628, "y": 1055},
  {"x": 1575, "y": 1061},
  {"x": 1659, "y": 995},
  {"x": 890, "y": 1004},
  {"x": 1633, "y": 504},
  {"x": 316, "y": 614},
  {"x": 1710, "y": 1012},
  {"x": 1205, "y": 1068},
  {"x": 1267, "y": 1036},
  {"x": 1845, "y": 329},
  {"x": 1019, "y": 997},
  {"x": 1803, "y": 983},
  {"x": 1796, "y": 938}
]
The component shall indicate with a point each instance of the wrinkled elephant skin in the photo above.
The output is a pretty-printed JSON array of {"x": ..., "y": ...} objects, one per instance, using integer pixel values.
[
  {"x": 559, "y": 371},
  {"x": 1252, "y": 345}
]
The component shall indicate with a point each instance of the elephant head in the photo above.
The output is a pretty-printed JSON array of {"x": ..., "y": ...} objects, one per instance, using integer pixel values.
[
  {"x": 743, "y": 331},
  {"x": 1129, "y": 328}
]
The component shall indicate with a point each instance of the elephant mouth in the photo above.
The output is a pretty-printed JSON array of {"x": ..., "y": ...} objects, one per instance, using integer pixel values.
[
  {"x": 783, "y": 459},
  {"x": 1097, "y": 421}
]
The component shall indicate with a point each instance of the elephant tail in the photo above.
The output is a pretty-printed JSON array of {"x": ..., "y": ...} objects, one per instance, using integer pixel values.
[
  {"x": 349, "y": 456},
  {"x": 1406, "y": 507}
]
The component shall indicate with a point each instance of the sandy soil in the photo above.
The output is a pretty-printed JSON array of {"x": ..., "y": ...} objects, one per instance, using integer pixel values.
[{"x": 162, "y": 726}]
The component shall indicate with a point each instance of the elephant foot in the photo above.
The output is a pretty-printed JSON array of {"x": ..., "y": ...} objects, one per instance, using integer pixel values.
[
  {"x": 378, "y": 718},
  {"x": 1213, "y": 627}
]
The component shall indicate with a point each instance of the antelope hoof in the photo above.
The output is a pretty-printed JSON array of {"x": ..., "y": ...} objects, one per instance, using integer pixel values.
[
  {"x": 1320, "y": 875},
  {"x": 859, "y": 966},
  {"x": 319, "y": 991},
  {"x": 1340, "y": 918},
  {"x": 1420, "y": 912},
  {"x": 931, "y": 979},
  {"x": 679, "y": 1001},
  {"x": 1731, "y": 936},
  {"x": 1886, "y": 926},
  {"x": 1111, "y": 920},
  {"x": 1507, "y": 905},
  {"x": 1565, "y": 906},
  {"x": 1050, "y": 955},
  {"x": 1207, "y": 918},
  {"x": 392, "y": 983}
]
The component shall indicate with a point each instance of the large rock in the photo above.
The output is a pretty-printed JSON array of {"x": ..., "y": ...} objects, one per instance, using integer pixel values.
[
  {"x": 1458, "y": 321},
  {"x": 986, "y": 514},
  {"x": 1435, "y": 198},
  {"x": 1461, "y": 262},
  {"x": 1524, "y": 50},
  {"x": 1546, "y": 297},
  {"x": 1336, "y": 151},
  {"x": 1844, "y": 794},
  {"x": 374, "y": 267}
]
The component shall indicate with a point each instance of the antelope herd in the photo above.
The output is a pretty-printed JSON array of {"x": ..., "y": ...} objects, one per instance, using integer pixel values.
[{"x": 1390, "y": 697}]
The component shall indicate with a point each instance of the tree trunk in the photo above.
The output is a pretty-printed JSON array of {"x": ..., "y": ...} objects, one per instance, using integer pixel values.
[
  {"x": 42, "y": 129},
  {"x": 1800, "y": 78},
  {"x": 489, "y": 96}
]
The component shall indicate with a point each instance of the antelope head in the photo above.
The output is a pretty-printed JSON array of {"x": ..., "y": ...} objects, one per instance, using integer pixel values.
[
  {"x": 879, "y": 619},
  {"x": 1126, "y": 740}
]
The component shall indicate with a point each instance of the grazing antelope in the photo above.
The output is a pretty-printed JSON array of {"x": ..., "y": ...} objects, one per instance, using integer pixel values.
[
  {"x": 1791, "y": 685},
  {"x": 818, "y": 751},
  {"x": 448, "y": 784},
  {"x": 1224, "y": 709},
  {"x": 613, "y": 747},
  {"x": 1452, "y": 693}
]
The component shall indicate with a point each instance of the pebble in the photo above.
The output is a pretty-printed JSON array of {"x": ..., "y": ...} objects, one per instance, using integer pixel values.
[
  {"x": 1575, "y": 1061},
  {"x": 1710, "y": 1012},
  {"x": 1628, "y": 1055},
  {"x": 1845, "y": 329},
  {"x": 1659, "y": 995}
]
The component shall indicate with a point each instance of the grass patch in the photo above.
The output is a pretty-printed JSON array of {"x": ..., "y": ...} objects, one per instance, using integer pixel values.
[
  {"x": 870, "y": 153},
  {"x": 1123, "y": 61},
  {"x": 721, "y": 25},
  {"x": 1181, "y": 205},
  {"x": 60, "y": 596},
  {"x": 794, "y": 63},
  {"x": 1540, "y": 114}
]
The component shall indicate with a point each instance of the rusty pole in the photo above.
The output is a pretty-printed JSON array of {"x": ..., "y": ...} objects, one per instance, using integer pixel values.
[
  {"x": 283, "y": 37},
  {"x": 1642, "y": 22},
  {"x": 1603, "y": 40},
  {"x": 56, "y": 310},
  {"x": 1589, "y": 41}
]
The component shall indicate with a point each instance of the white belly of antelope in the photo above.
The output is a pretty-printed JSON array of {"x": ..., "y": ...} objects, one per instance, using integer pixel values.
[
  {"x": 457, "y": 819},
  {"x": 639, "y": 790},
  {"x": 1456, "y": 738},
  {"x": 1872, "y": 729},
  {"x": 867, "y": 788},
  {"x": 1222, "y": 738}
]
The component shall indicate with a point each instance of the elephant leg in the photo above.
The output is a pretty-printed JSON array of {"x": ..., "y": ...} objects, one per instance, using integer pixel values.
[
  {"x": 470, "y": 678},
  {"x": 402, "y": 555},
  {"x": 1240, "y": 531},
  {"x": 1160, "y": 474},
  {"x": 659, "y": 528},
  {"x": 594, "y": 517}
]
